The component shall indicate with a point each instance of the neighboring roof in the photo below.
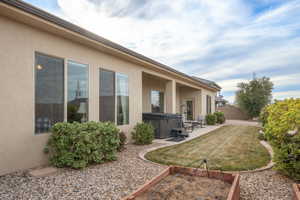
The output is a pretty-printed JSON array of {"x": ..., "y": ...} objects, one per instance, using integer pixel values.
[
  {"x": 74, "y": 28},
  {"x": 208, "y": 82}
]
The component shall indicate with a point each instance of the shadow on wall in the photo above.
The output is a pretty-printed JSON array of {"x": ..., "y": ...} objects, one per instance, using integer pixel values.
[{"x": 233, "y": 112}]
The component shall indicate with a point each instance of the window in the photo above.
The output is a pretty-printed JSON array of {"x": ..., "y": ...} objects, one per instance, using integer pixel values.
[
  {"x": 49, "y": 92},
  {"x": 208, "y": 104},
  {"x": 114, "y": 96},
  {"x": 189, "y": 110},
  {"x": 157, "y": 101},
  {"x": 107, "y": 95},
  {"x": 78, "y": 87},
  {"x": 122, "y": 99}
]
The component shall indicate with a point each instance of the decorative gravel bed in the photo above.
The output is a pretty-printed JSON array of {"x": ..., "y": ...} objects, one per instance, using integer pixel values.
[
  {"x": 106, "y": 181},
  {"x": 265, "y": 185},
  {"x": 119, "y": 178}
]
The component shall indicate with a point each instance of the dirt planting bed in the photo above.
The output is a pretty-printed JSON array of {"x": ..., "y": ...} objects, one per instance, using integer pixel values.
[
  {"x": 179, "y": 186},
  {"x": 188, "y": 183}
]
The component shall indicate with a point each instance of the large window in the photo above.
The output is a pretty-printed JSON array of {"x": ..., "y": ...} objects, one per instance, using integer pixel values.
[
  {"x": 157, "y": 101},
  {"x": 78, "y": 92},
  {"x": 114, "y": 97},
  {"x": 49, "y": 92},
  {"x": 208, "y": 104},
  {"x": 122, "y": 99},
  {"x": 107, "y": 95}
]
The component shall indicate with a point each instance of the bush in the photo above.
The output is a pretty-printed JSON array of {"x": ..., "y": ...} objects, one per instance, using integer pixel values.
[
  {"x": 282, "y": 127},
  {"x": 220, "y": 117},
  {"x": 123, "y": 139},
  {"x": 77, "y": 145},
  {"x": 143, "y": 133},
  {"x": 261, "y": 136},
  {"x": 263, "y": 116},
  {"x": 210, "y": 119}
]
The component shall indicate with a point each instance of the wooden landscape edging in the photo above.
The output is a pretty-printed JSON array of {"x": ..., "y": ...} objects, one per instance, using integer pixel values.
[
  {"x": 149, "y": 184},
  {"x": 233, "y": 179},
  {"x": 296, "y": 189}
]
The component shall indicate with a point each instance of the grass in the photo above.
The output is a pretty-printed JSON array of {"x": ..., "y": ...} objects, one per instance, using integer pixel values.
[{"x": 230, "y": 148}]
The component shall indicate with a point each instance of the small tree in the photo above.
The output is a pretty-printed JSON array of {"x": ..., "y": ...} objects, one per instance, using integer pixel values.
[{"x": 253, "y": 96}]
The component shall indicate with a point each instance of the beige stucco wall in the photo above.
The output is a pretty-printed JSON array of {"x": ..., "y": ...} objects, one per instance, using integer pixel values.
[
  {"x": 187, "y": 93},
  {"x": 20, "y": 148},
  {"x": 150, "y": 83},
  {"x": 178, "y": 103},
  {"x": 213, "y": 97}
]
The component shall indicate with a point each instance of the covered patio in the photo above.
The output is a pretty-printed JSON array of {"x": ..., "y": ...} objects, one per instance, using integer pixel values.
[
  {"x": 176, "y": 108},
  {"x": 162, "y": 95}
]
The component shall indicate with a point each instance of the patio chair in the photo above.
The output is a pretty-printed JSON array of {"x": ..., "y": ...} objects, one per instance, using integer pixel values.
[
  {"x": 201, "y": 121},
  {"x": 183, "y": 130}
]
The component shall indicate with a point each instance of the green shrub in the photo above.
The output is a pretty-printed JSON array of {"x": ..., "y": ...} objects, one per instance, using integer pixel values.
[
  {"x": 210, "y": 119},
  {"x": 76, "y": 145},
  {"x": 220, "y": 117},
  {"x": 261, "y": 136},
  {"x": 123, "y": 139},
  {"x": 143, "y": 133},
  {"x": 263, "y": 116},
  {"x": 282, "y": 127}
]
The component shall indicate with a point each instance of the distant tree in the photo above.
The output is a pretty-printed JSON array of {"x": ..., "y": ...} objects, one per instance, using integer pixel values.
[{"x": 252, "y": 97}]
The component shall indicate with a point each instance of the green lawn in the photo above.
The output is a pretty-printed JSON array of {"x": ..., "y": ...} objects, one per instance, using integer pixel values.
[{"x": 227, "y": 148}]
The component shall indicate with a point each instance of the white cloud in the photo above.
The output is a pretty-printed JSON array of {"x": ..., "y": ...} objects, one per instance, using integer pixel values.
[
  {"x": 212, "y": 39},
  {"x": 286, "y": 80},
  {"x": 286, "y": 94},
  {"x": 230, "y": 85},
  {"x": 179, "y": 33},
  {"x": 230, "y": 99}
]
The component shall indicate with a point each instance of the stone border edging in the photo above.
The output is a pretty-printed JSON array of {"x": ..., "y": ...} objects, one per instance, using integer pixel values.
[{"x": 142, "y": 154}]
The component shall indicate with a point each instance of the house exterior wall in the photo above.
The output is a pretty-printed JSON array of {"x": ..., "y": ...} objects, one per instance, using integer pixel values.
[
  {"x": 148, "y": 85},
  {"x": 20, "y": 148},
  {"x": 194, "y": 95},
  {"x": 213, "y": 98},
  {"x": 178, "y": 103}
]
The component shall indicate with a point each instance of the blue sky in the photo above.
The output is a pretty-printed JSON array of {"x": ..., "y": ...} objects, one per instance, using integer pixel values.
[{"x": 224, "y": 41}]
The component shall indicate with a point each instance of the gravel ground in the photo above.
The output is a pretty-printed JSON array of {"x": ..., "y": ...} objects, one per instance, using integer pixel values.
[
  {"x": 119, "y": 178},
  {"x": 265, "y": 185},
  {"x": 106, "y": 181}
]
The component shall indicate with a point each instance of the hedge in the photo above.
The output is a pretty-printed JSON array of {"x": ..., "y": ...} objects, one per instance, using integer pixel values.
[
  {"x": 76, "y": 145},
  {"x": 211, "y": 119},
  {"x": 220, "y": 117},
  {"x": 281, "y": 127},
  {"x": 143, "y": 133}
]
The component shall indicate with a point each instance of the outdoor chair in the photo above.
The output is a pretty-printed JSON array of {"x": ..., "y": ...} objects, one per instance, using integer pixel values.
[
  {"x": 201, "y": 121},
  {"x": 183, "y": 130}
]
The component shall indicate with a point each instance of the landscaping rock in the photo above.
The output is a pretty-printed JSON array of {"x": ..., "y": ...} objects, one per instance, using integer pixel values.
[
  {"x": 265, "y": 185},
  {"x": 111, "y": 180},
  {"x": 120, "y": 178}
]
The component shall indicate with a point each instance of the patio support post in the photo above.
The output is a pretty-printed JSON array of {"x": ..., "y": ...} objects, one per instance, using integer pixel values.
[{"x": 171, "y": 97}]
